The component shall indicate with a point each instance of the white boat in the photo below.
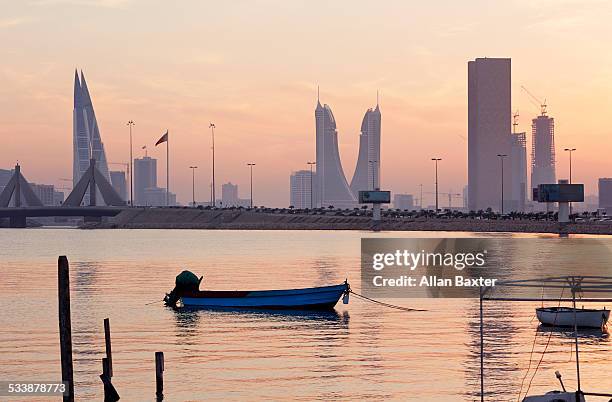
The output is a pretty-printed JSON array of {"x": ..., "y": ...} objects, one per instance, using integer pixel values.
[
  {"x": 555, "y": 396},
  {"x": 564, "y": 317}
]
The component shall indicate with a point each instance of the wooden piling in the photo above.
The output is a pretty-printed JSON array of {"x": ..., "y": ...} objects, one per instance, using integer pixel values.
[
  {"x": 110, "y": 393},
  {"x": 65, "y": 326},
  {"x": 107, "y": 341},
  {"x": 159, "y": 375}
]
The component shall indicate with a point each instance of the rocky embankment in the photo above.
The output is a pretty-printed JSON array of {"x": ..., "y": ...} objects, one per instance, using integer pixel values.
[{"x": 188, "y": 218}]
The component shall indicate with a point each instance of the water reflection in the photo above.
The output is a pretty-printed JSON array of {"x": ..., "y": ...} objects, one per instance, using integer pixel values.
[{"x": 587, "y": 336}]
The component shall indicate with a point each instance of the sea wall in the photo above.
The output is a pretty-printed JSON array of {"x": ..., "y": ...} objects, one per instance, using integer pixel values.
[{"x": 189, "y": 218}]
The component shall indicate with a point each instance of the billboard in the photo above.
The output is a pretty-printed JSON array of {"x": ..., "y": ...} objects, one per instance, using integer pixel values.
[
  {"x": 560, "y": 193},
  {"x": 374, "y": 197}
]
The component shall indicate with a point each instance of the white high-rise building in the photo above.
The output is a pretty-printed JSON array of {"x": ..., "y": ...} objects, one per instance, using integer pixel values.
[
  {"x": 87, "y": 143},
  {"x": 367, "y": 170},
  {"x": 300, "y": 189},
  {"x": 543, "y": 151},
  {"x": 332, "y": 187}
]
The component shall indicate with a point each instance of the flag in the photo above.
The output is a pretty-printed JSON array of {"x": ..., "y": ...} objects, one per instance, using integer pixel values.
[
  {"x": 164, "y": 138},
  {"x": 144, "y": 147}
]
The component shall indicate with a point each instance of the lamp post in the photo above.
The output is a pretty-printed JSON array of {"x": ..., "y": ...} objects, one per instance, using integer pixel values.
[
  {"x": 373, "y": 174},
  {"x": 212, "y": 130},
  {"x": 311, "y": 189},
  {"x": 250, "y": 165},
  {"x": 501, "y": 158},
  {"x": 436, "y": 160},
  {"x": 193, "y": 168},
  {"x": 130, "y": 124},
  {"x": 570, "y": 150}
]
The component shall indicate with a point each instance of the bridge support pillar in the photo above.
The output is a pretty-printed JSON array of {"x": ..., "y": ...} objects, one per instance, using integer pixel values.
[
  {"x": 17, "y": 221},
  {"x": 92, "y": 219}
]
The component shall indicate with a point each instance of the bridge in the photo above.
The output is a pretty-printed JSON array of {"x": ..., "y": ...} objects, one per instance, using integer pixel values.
[{"x": 18, "y": 189}]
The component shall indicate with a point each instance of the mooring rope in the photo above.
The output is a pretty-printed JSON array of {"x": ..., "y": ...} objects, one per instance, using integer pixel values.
[
  {"x": 393, "y": 306},
  {"x": 543, "y": 352}
]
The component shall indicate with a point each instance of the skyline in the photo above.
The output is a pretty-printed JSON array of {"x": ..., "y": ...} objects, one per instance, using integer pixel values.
[{"x": 263, "y": 112}]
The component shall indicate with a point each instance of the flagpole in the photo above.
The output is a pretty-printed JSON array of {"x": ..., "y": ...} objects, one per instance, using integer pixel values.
[{"x": 168, "y": 170}]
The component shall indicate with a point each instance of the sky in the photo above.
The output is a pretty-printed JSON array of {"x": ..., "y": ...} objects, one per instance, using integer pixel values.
[{"x": 253, "y": 67}]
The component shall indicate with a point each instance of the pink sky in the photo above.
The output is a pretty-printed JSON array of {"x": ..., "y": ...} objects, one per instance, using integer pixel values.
[{"x": 252, "y": 68}]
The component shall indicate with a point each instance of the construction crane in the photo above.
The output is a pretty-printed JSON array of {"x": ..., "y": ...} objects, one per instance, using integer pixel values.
[
  {"x": 535, "y": 99},
  {"x": 126, "y": 165},
  {"x": 515, "y": 117},
  {"x": 450, "y": 195}
]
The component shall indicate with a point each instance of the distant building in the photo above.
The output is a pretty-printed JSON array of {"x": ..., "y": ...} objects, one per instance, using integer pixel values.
[
  {"x": 119, "y": 183},
  {"x": 367, "y": 170},
  {"x": 605, "y": 194},
  {"x": 229, "y": 195},
  {"x": 543, "y": 151},
  {"x": 45, "y": 193},
  {"x": 5, "y": 176},
  {"x": 464, "y": 195},
  {"x": 145, "y": 177},
  {"x": 403, "y": 201},
  {"x": 332, "y": 187},
  {"x": 58, "y": 197},
  {"x": 489, "y": 118},
  {"x": 518, "y": 165},
  {"x": 300, "y": 190},
  {"x": 156, "y": 197}
]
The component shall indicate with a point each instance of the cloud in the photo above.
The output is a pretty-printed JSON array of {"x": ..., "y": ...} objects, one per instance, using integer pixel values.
[
  {"x": 12, "y": 22},
  {"x": 90, "y": 3}
]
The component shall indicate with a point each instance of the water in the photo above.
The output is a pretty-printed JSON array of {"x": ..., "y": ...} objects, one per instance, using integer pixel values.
[{"x": 361, "y": 351}]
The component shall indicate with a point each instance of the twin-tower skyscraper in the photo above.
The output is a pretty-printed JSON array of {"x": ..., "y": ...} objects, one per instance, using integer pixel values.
[
  {"x": 86, "y": 141},
  {"x": 332, "y": 188}
]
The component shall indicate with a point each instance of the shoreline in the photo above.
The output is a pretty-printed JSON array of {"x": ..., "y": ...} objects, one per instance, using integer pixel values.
[{"x": 189, "y": 218}]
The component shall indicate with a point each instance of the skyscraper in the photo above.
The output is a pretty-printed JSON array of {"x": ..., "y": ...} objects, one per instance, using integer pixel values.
[
  {"x": 518, "y": 164},
  {"x": 543, "y": 151},
  {"x": 86, "y": 140},
  {"x": 145, "y": 177},
  {"x": 367, "y": 170},
  {"x": 332, "y": 187},
  {"x": 489, "y": 117},
  {"x": 300, "y": 191}
]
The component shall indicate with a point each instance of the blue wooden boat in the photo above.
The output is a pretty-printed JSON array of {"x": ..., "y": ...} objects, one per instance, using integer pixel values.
[{"x": 315, "y": 298}]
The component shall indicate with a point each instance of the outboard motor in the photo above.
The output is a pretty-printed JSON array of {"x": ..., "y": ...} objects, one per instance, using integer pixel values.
[{"x": 185, "y": 282}]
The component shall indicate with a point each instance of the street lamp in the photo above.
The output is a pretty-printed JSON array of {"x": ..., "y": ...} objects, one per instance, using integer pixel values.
[
  {"x": 373, "y": 174},
  {"x": 570, "y": 150},
  {"x": 311, "y": 189},
  {"x": 193, "y": 168},
  {"x": 436, "y": 160},
  {"x": 212, "y": 129},
  {"x": 250, "y": 165},
  {"x": 130, "y": 124},
  {"x": 501, "y": 158}
]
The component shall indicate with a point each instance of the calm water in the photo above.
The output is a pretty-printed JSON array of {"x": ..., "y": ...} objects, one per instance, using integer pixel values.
[{"x": 360, "y": 352}]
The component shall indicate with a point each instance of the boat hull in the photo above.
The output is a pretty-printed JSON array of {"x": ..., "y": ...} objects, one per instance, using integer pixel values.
[
  {"x": 319, "y": 298},
  {"x": 564, "y": 317}
]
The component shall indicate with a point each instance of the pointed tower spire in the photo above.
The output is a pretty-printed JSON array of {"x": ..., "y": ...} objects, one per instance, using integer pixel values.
[
  {"x": 77, "y": 89},
  {"x": 318, "y": 98},
  {"x": 377, "y": 101},
  {"x": 85, "y": 91}
]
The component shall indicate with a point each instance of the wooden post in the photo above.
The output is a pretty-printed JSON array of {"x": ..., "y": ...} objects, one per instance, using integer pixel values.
[
  {"x": 107, "y": 340},
  {"x": 110, "y": 393},
  {"x": 65, "y": 326},
  {"x": 159, "y": 375}
]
